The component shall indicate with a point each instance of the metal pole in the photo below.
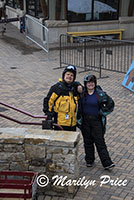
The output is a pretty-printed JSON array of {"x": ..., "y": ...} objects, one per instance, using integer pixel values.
[
  {"x": 60, "y": 50},
  {"x": 22, "y": 111},
  {"x": 100, "y": 64},
  {"x": 20, "y": 122},
  {"x": 85, "y": 54}
]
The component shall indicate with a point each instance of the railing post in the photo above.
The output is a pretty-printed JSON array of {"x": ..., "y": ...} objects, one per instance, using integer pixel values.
[
  {"x": 100, "y": 63},
  {"x": 85, "y": 54},
  {"x": 60, "y": 50}
]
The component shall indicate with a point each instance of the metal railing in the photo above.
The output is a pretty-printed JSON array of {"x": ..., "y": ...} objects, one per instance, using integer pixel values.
[
  {"x": 96, "y": 53},
  {"x": 6, "y": 20},
  {"x": 36, "y": 32},
  {"x": 45, "y": 124}
]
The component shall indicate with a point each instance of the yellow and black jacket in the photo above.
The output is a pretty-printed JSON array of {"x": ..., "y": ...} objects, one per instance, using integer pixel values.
[{"x": 62, "y": 103}]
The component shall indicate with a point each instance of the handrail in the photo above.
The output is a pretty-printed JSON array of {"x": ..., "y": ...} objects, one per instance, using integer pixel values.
[
  {"x": 26, "y": 113},
  {"x": 22, "y": 111},
  {"x": 19, "y": 122},
  {"x": 42, "y": 36},
  {"x": 34, "y": 20}
]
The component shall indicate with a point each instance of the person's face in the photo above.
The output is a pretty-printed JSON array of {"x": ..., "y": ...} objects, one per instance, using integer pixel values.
[
  {"x": 90, "y": 85},
  {"x": 68, "y": 77}
]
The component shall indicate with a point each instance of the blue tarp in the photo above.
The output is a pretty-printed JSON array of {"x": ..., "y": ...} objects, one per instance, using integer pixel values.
[{"x": 128, "y": 81}]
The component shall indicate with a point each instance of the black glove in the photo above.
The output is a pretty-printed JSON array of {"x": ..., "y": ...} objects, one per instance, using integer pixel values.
[
  {"x": 50, "y": 115},
  {"x": 47, "y": 124}
]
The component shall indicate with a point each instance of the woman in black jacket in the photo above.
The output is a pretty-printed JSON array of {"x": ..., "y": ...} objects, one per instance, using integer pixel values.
[{"x": 95, "y": 106}]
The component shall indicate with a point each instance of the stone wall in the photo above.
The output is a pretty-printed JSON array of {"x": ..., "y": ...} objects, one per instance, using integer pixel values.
[{"x": 46, "y": 152}]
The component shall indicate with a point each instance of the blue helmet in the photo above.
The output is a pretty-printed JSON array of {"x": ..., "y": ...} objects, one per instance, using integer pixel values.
[{"x": 69, "y": 68}]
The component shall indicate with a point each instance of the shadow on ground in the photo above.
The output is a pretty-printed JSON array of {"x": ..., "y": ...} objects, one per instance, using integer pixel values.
[{"x": 20, "y": 45}]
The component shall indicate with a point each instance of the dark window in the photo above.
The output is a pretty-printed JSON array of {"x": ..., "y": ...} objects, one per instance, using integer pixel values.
[
  {"x": 31, "y": 7},
  {"x": 92, "y": 10},
  {"x": 37, "y": 8},
  {"x": 13, "y": 3},
  {"x": 105, "y": 10}
]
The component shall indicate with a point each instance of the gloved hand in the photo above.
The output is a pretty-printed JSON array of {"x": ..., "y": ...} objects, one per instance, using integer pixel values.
[
  {"x": 107, "y": 106},
  {"x": 47, "y": 124},
  {"x": 104, "y": 107},
  {"x": 50, "y": 115},
  {"x": 79, "y": 89}
]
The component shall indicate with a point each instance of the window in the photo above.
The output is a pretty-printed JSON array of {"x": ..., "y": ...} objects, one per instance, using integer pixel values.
[
  {"x": 105, "y": 10},
  {"x": 92, "y": 10},
  {"x": 37, "y": 8},
  {"x": 13, "y": 3}
]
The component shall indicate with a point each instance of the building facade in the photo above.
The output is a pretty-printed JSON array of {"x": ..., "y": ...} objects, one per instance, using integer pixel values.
[{"x": 61, "y": 16}]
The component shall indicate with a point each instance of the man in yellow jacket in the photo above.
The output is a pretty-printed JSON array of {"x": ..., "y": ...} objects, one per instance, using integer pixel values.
[{"x": 62, "y": 99}]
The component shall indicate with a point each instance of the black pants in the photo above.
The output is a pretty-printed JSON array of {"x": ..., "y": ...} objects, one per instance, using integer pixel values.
[
  {"x": 66, "y": 128},
  {"x": 69, "y": 128},
  {"x": 93, "y": 133}
]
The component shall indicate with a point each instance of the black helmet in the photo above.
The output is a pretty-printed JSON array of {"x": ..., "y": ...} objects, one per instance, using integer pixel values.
[
  {"x": 90, "y": 77},
  {"x": 69, "y": 68}
]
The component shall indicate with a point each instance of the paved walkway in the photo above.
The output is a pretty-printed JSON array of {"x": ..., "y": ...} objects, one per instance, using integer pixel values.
[{"x": 26, "y": 74}]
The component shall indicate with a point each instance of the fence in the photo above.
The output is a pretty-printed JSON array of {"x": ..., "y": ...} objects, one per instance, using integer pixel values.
[
  {"x": 96, "y": 53},
  {"x": 37, "y": 32}
]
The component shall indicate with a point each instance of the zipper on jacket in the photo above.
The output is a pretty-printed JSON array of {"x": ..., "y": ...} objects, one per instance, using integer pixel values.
[
  {"x": 71, "y": 120},
  {"x": 69, "y": 107}
]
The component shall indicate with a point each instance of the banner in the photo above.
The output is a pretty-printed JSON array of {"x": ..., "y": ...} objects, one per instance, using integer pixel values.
[{"x": 128, "y": 81}]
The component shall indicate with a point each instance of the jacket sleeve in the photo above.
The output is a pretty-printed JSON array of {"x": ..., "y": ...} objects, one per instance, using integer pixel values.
[
  {"x": 75, "y": 85},
  {"x": 48, "y": 101}
]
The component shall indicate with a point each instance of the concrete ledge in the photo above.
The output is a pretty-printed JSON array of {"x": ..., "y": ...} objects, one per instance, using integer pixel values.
[
  {"x": 32, "y": 136},
  {"x": 56, "y": 23},
  {"x": 126, "y": 20},
  {"x": 93, "y": 23}
]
